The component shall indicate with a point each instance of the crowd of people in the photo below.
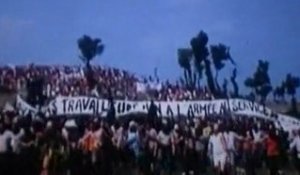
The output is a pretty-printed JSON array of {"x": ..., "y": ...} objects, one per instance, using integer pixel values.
[
  {"x": 71, "y": 81},
  {"x": 134, "y": 144},
  {"x": 144, "y": 145}
]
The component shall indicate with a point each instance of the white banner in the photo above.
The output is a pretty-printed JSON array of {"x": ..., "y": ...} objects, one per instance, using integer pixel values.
[
  {"x": 23, "y": 107},
  {"x": 100, "y": 107}
]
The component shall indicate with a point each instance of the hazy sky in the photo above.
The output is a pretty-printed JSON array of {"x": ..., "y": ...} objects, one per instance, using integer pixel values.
[{"x": 142, "y": 34}]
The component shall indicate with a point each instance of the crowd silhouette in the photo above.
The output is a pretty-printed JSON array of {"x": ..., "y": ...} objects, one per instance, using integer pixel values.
[
  {"x": 138, "y": 144},
  {"x": 71, "y": 81}
]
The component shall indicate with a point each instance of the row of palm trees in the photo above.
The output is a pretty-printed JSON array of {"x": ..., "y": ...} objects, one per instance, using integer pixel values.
[
  {"x": 199, "y": 57},
  {"x": 260, "y": 85},
  {"x": 197, "y": 60}
]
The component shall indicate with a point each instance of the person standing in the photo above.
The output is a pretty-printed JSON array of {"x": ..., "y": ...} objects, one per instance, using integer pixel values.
[
  {"x": 5, "y": 138},
  {"x": 218, "y": 150},
  {"x": 165, "y": 148},
  {"x": 111, "y": 114},
  {"x": 248, "y": 154},
  {"x": 177, "y": 140},
  {"x": 230, "y": 138},
  {"x": 295, "y": 145},
  {"x": 133, "y": 143},
  {"x": 152, "y": 113},
  {"x": 15, "y": 145},
  {"x": 75, "y": 159},
  {"x": 152, "y": 147},
  {"x": 144, "y": 158},
  {"x": 257, "y": 138},
  {"x": 28, "y": 156},
  {"x": 272, "y": 145},
  {"x": 190, "y": 155}
]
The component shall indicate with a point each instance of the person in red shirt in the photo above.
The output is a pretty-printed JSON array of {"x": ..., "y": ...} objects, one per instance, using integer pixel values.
[
  {"x": 248, "y": 151},
  {"x": 272, "y": 145}
]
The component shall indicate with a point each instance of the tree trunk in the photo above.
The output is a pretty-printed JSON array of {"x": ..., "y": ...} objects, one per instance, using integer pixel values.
[
  {"x": 217, "y": 83},
  {"x": 191, "y": 81},
  {"x": 235, "y": 87},
  {"x": 209, "y": 76},
  {"x": 199, "y": 82},
  {"x": 90, "y": 76},
  {"x": 263, "y": 102},
  {"x": 252, "y": 95},
  {"x": 294, "y": 105},
  {"x": 186, "y": 78}
]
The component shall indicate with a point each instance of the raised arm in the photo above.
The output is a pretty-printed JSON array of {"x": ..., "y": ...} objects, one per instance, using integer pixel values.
[{"x": 293, "y": 143}]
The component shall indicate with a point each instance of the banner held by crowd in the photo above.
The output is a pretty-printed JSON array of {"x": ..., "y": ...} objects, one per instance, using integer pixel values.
[{"x": 96, "y": 106}]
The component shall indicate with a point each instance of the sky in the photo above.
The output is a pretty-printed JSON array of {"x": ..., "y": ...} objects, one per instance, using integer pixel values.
[{"x": 140, "y": 35}]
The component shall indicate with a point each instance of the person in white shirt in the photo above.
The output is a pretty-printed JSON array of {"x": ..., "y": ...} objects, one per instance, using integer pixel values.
[
  {"x": 152, "y": 143},
  {"x": 258, "y": 137},
  {"x": 218, "y": 150},
  {"x": 119, "y": 137},
  {"x": 5, "y": 140},
  {"x": 164, "y": 139},
  {"x": 176, "y": 139},
  {"x": 295, "y": 144},
  {"x": 5, "y": 137},
  {"x": 152, "y": 146},
  {"x": 16, "y": 140},
  {"x": 230, "y": 138},
  {"x": 165, "y": 148},
  {"x": 133, "y": 139}
]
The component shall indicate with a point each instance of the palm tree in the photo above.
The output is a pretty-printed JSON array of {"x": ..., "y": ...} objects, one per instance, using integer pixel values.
[
  {"x": 249, "y": 82},
  {"x": 89, "y": 48},
  {"x": 224, "y": 87},
  {"x": 198, "y": 73},
  {"x": 282, "y": 91},
  {"x": 200, "y": 50},
  {"x": 260, "y": 81},
  {"x": 279, "y": 92},
  {"x": 184, "y": 61},
  {"x": 234, "y": 83},
  {"x": 291, "y": 84},
  {"x": 219, "y": 54}
]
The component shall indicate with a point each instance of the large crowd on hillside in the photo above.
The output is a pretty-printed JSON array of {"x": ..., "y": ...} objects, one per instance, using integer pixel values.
[
  {"x": 71, "y": 81},
  {"x": 133, "y": 144},
  {"x": 145, "y": 146}
]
